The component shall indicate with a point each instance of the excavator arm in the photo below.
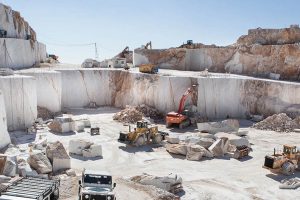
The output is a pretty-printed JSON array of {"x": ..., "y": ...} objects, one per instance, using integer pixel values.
[{"x": 183, "y": 99}]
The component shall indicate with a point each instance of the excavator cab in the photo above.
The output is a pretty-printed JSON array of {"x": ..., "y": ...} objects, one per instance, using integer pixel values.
[
  {"x": 290, "y": 151},
  {"x": 142, "y": 124}
]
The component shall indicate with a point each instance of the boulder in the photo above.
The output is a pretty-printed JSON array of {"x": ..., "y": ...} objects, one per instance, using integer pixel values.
[
  {"x": 166, "y": 183},
  {"x": 229, "y": 125},
  {"x": 63, "y": 124},
  {"x": 206, "y": 142},
  {"x": 71, "y": 172},
  {"x": 4, "y": 179},
  {"x": 95, "y": 150},
  {"x": 40, "y": 163},
  {"x": 77, "y": 145},
  {"x": 219, "y": 147},
  {"x": 195, "y": 152},
  {"x": 58, "y": 155},
  {"x": 172, "y": 139},
  {"x": 10, "y": 168},
  {"x": 234, "y": 139},
  {"x": 40, "y": 144},
  {"x": 180, "y": 149},
  {"x": 192, "y": 139}
]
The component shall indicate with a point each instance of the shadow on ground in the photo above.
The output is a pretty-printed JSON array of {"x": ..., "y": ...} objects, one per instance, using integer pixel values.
[
  {"x": 78, "y": 157},
  {"x": 279, "y": 177},
  {"x": 133, "y": 149}
]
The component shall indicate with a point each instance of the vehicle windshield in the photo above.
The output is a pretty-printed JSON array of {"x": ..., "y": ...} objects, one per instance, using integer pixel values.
[{"x": 97, "y": 179}]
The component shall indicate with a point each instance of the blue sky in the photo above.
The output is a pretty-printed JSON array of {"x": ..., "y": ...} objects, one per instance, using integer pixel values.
[{"x": 114, "y": 24}]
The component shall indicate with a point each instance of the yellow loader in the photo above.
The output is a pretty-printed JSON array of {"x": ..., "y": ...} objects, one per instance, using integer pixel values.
[
  {"x": 286, "y": 162},
  {"x": 141, "y": 135}
]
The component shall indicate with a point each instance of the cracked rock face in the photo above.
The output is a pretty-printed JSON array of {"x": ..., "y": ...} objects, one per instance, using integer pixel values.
[{"x": 263, "y": 52}]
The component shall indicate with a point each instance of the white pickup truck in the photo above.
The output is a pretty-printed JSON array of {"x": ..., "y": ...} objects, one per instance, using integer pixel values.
[{"x": 96, "y": 185}]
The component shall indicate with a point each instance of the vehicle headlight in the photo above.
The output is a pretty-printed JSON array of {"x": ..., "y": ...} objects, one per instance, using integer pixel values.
[
  {"x": 109, "y": 198},
  {"x": 86, "y": 196}
]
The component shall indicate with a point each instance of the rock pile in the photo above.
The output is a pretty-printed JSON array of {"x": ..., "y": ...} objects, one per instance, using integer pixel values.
[
  {"x": 132, "y": 114},
  {"x": 278, "y": 122},
  {"x": 149, "y": 112},
  {"x": 45, "y": 114},
  {"x": 85, "y": 148},
  {"x": 200, "y": 145}
]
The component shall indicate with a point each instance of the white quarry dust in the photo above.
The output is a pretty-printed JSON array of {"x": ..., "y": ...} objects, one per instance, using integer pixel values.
[{"x": 223, "y": 178}]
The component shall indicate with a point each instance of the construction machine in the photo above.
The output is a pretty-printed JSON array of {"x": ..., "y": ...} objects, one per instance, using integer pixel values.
[
  {"x": 141, "y": 135},
  {"x": 181, "y": 116},
  {"x": 286, "y": 162},
  {"x": 148, "y": 45},
  {"x": 148, "y": 68}
]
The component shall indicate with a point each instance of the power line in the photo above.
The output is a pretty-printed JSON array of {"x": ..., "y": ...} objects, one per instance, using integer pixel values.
[{"x": 77, "y": 45}]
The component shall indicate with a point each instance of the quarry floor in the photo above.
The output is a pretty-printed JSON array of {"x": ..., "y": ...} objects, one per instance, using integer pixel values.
[{"x": 223, "y": 178}]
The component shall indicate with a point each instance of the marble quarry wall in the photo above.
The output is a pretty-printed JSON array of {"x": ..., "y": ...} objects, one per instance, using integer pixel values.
[
  {"x": 15, "y": 25},
  {"x": 48, "y": 88},
  {"x": 260, "y": 53},
  {"x": 17, "y": 53},
  {"x": 20, "y": 99},
  {"x": 271, "y": 36},
  {"x": 218, "y": 95},
  {"x": 5, "y": 139},
  {"x": 19, "y": 48}
]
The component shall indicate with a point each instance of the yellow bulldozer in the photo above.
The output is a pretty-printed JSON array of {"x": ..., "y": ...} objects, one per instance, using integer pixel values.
[
  {"x": 286, "y": 162},
  {"x": 142, "y": 134}
]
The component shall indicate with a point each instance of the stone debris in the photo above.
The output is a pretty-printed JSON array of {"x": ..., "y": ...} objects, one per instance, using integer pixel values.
[
  {"x": 40, "y": 144},
  {"x": 233, "y": 139},
  {"x": 292, "y": 183},
  {"x": 219, "y": 147},
  {"x": 132, "y": 114},
  {"x": 229, "y": 125},
  {"x": 10, "y": 168},
  {"x": 179, "y": 149},
  {"x": 2, "y": 162},
  {"x": 71, "y": 172},
  {"x": 129, "y": 115},
  {"x": 173, "y": 139},
  {"x": 25, "y": 169},
  {"x": 85, "y": 148},
  {"x": 4, "y": 179},
  {"x": 196, "y": 152},
  {"x": 149, "y": 111},
  {"x": 45, "y": 114},
  {"x": 76, "y": 146},
  {"x": 278, "y": 122},
  {"x": 171, "y": 183},
  {"x": 58, "y": 156},
  {"x": 206, "y": 142},
  {"x": 63, "y": 124},
  {"x": 95, "y": 150},
  {"x": 40, "y": 163}
]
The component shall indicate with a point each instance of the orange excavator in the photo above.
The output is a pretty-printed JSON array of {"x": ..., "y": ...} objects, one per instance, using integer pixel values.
[{"x": 179, "y": 117}]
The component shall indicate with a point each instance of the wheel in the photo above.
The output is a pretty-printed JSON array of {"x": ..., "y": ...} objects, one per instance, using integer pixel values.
[
  {"x": 288, "y": 168},
  {"x": 184, "y": 124},
  {"x": 168, "y": 125},
  {"x": 157, "y": 139},
  {"x": 140, "y": 141}
]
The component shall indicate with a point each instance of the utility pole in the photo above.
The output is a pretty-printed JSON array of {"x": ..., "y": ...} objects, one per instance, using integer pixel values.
[{"x": 96, "y": 52}]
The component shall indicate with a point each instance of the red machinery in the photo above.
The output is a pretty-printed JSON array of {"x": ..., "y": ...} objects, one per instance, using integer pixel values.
[{"x": 178, "y": 117}]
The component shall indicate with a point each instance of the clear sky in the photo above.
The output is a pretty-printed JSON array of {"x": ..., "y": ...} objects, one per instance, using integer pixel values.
[{"x": 114, "y": 24}]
